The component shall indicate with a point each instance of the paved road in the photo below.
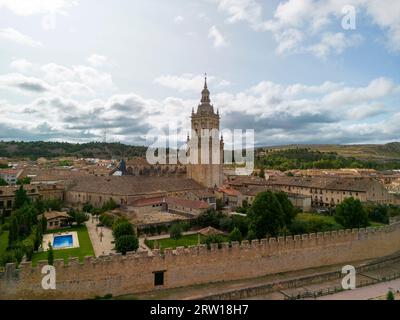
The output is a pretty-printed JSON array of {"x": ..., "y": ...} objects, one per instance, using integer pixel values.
[
  {"x": 365, "y": 293},
  {"x": 103, "y": 247}
]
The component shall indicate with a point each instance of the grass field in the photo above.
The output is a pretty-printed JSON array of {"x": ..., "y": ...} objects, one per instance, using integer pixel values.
[
  {"x": 185, "y": 241},
  {"x": 85, "y": 247},
  {"x": 311, "y": 217}
]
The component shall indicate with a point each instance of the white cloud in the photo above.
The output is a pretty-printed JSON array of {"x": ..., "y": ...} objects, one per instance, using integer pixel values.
[
  {"x": 21, "y": 65},
  {"x": 89, "y": 77},
  {"x": 376, "y": 89},
  {"x": 178, "y": 19},
  {"x": 288, "y": 41},
  {"x": 97, "y": 60},
  {"x": 334, "y": 43},
  {"x": 188, "y": 82},
  {"x": 217, "y": 37},
  {"x": 17, "y": 37},
  {"x": 327, "y": 112},
  {"x": 242, "y": 10},
  {"x": 33, "y": 7},
  {"x": 23, "y": 83},
  {"x": 385, "y": 13},
  {"x": 56, "y": 73},
  {"x": 296, "y": 23}
]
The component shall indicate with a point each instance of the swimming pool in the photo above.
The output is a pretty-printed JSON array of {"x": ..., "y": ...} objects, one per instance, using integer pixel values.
[{"x": 64, "y": 241}]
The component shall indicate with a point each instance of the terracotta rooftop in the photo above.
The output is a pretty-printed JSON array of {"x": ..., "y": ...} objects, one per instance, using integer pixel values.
[
  {"x": 133, "y": 185},
  {"x": 229, "y": 191},
  {"x": 49, "y": 215},
  {"x": 209, "y": 231},
  {"x": 10, "y": 190},
  {"x": 16, "y": 172},
  {"x": 343, "y": 183},
  {"x": 195, "y": 204}
]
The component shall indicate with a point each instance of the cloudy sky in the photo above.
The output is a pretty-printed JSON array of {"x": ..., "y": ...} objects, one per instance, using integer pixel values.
[{"x": 71, "y": 70}]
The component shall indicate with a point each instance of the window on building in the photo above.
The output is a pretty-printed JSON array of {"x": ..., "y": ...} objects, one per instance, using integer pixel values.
[{"x": 159, "y": 278}]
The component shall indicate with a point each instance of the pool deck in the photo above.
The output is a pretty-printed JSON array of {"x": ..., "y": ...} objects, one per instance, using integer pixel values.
[{"x": 49, "y": 237}]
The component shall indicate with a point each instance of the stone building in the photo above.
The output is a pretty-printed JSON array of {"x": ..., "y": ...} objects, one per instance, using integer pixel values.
[
  {"x": 126, "y": 189},
  {"x": 11, "y": 175},
  {"x": 7, "y": 197},
  {"x": 206, "y": 159},
  {"x": 57, "y": 219},
  {"x": 328, "y": 192}
]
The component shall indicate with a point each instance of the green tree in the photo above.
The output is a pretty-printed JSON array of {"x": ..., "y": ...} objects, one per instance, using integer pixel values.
[
  {"x": 21, "y": 198},
  {"x": 25, "y": 180},
  {"x": 22, "y": 221},
  {"x": 126, "y": 244},
  {"x": 123, "y": 229},
  {"x": 109, "y": 205},
  {"x": 390, "y": 295},
  {"x": 210, "y": 218},
  {"x": 266, "y": 215},
  {"x": 219, "y": 205},
  {"x": 215, "y": 238},
  {"x": 262, "y": 173},
  {"x": 287, "y": 207},
  {"x": 378, "y": 213},
  {"x": 351, "y": 214},
  {"x": 80, "y": 217},
  {"x": 3, "y": 182},
  {"x": 50, "y": 255},
  {"x": 235, "y": 235},
  {"x": 175, "y": 232},
  {"x": 88, "y": 208}
]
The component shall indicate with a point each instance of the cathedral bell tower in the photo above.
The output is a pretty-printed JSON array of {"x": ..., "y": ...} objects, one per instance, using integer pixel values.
[{"x": 206, "y": 165}]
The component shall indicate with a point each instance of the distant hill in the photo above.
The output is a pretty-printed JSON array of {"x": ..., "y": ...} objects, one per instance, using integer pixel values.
[
  {"x": 37, "y": 149},
  {"x": 376, "y": 152}
]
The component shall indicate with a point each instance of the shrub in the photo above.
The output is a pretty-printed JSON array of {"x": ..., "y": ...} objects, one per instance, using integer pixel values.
[
  {"x": 50, "y": 255},
  {"x": 213, "y": 239},
  {"x": 226, "y": 223},
  {"x": 107, "y": 219},
  {"x": 236, "y": 235},
  {"x": 351, "y": 214},
  {"x": 176, "y": 231},
  {"x": 126, "y": 243},
  {"x": 378, "y": 213},
  {"x": 80, "y": 217},
  {"x": 209, "y": 218},
  {"x": 390, "y": 295},
  {"x": 123, "y": 229}
]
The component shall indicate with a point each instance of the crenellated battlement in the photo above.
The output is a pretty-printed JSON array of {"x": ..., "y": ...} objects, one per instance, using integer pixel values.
[{"x": 118, "y": 274}]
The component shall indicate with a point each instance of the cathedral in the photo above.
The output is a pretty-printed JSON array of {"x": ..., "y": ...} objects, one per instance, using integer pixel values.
[{"x": 205, "y": 147}]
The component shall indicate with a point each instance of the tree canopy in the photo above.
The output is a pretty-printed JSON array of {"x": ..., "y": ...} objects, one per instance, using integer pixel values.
[{"x": 351, "y": 214}]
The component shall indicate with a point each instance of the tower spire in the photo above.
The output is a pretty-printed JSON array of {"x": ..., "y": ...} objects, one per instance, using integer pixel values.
[{"x": 205, "y": 94}]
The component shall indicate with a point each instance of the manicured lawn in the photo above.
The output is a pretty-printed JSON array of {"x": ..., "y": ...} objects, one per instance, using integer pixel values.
[
  {"x": 377, "y": 224},
  {"x": 312, "y": 216},
  {"x": 328, "y": 220},
  {"x": 3, "y": 242},
  {"x": 85, "y": 247},
  {"x": 185, "y": 241}
]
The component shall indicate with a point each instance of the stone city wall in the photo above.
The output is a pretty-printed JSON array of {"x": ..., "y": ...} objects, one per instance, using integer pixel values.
[{"x": 133, "y": 273}]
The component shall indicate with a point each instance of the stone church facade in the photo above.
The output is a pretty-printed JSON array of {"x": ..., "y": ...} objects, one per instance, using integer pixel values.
[{"x": 206, "y": 148}]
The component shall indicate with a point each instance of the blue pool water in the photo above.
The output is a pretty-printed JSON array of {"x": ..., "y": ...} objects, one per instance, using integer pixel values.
[{"x": 62, "y": 241}]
